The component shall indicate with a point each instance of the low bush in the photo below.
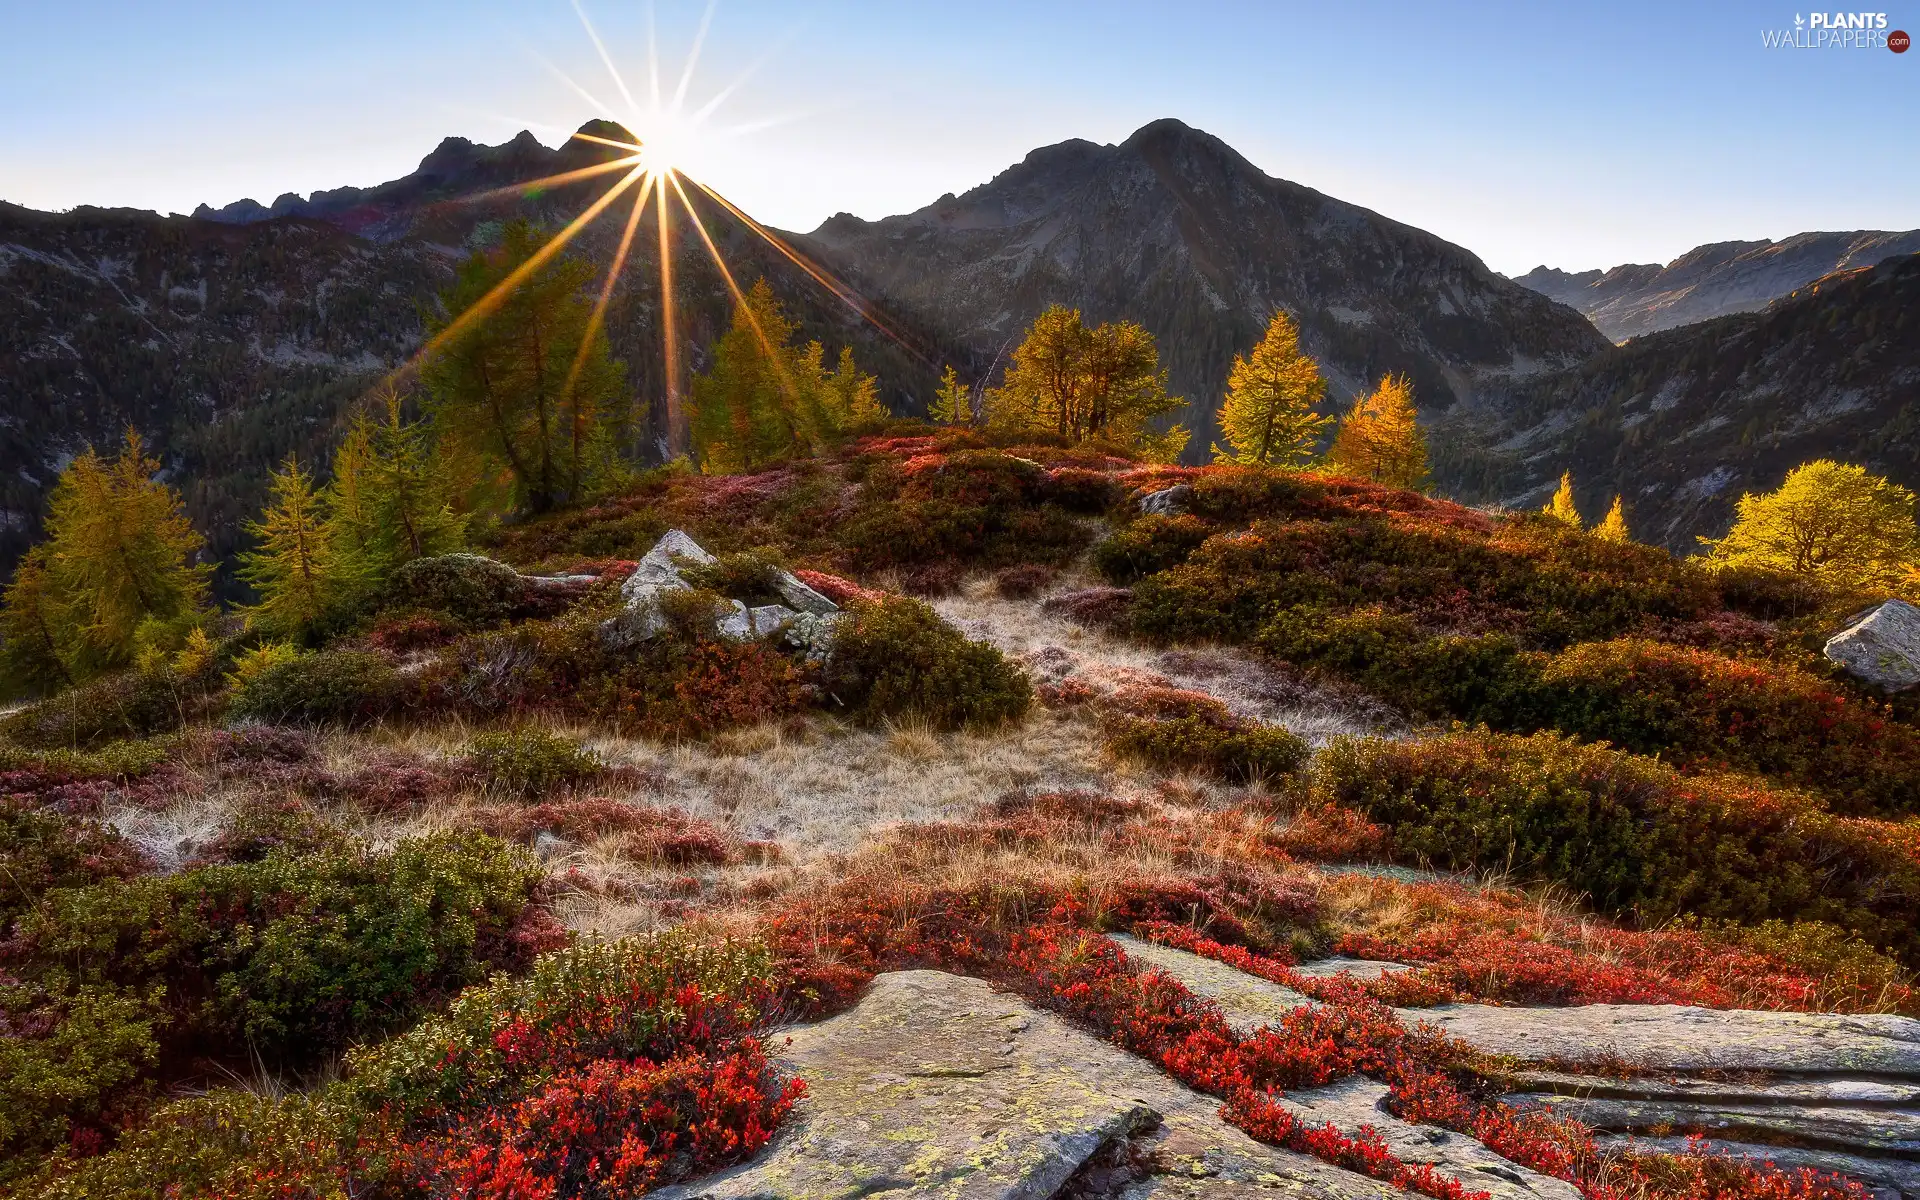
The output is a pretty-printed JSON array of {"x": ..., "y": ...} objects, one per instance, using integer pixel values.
[
  {"x": 897, "y": 658},
  {"x": 1150, "y": 545},
  {"x": 1023, "y": 582},
  {"x": 323, "y": 687},
  {"x": 1632, "y": 834},
  {"x": 639, "y": 998},
  {"x": 285, "y": 960},
  {"x": 529, "y": 761},
  {"x": 1082, "y": 490},
  {"x": 1192, "y": 731},
  {"x": 233, "y": 1145},
  {"x": 131, "y": 704},
  {"x": 671, "y": 837},
  {"x": 41, "y": 851},
  {"x": 263, "y": 826},
  {"x": 1697, "y": 708},
  {"x": 470, "y": 589},
  {"x": 745, "y": 576},
  {"x": 1108, "y": 608}
]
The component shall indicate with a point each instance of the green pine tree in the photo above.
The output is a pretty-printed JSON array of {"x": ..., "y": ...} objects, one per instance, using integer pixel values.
[{"x": 291, "y": 568}]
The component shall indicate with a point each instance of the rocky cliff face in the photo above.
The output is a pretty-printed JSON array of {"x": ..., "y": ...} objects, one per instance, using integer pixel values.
[
  {"x": 1682, "y": 422},
  {"x": 1712, "y": 281},
  {"x": 1174, "y": 229}
]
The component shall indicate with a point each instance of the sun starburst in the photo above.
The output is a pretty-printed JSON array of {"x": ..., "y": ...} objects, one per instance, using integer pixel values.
[{"x": 650, "y": 167}]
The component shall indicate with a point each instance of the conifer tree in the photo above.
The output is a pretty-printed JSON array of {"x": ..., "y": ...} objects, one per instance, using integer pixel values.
[
  {"x": 764, "y": 400},
  {"x": 291, "y": 568},
  {"x": 1829, "y": 521},
  {"x": 1380, "y": 437},
  {"x": 1613, "y": 527},
  {"x": 121, "y": 553},
  {"x": 31, "y": 662},
  {"x": 1083, "y": 384},
  {"x": 1561, "y": 507},
  {"x": 530, "y": 386},
  {"x": 411, "y": 497},
  {"x": 952, "y": 404},
  {"x": 1268, "y": 418}
]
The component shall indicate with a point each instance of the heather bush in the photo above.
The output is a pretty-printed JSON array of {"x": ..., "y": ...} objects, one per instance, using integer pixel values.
[
  {"x": 1023, "y": 582},
  {"x": 1192, "y": 731},
  {"x": 1082, "y": 490},
  {"x": 971, "y": 506},
  {"x": 897, "y": 658},
  {"x": 120, "y": 984},
  {"x": 1097, "y": 608},
  {"x": 323, "y": 687},
  {"x": 639, "y": 998},
  {"x": 529, "y": 761},
  {"x": 745, "y": 576},
  {"x": 264, "y": 825},
  {"x": 41, "y": 851},
  {"x": 234, "y": 1145},
  {"x": 131, "y": 704},
  {"x": 470, "y": 589},
  {"x": 1635, "y": 836},
  {"x": 1150, "y": 545}
]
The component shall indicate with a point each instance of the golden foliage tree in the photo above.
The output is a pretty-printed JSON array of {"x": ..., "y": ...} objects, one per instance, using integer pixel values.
[
  {"x": 1613, "y": 527},
  {"x": 292, "y": 568},
  {"x": 390, "y": 501},
  {"x": 1380, "y": 437},
  {"x": 953, "y": 403},
  {"x": 1269, "y": 417},
  {"x": 1083, "y": 384},
  {"x": 532, "y": 387},
  {"x": 1828, "y": 520},
  {"x": 115, "y": 576},
  {"x": 1562, "y": 507},
  {"x": 765, "y": 399}
]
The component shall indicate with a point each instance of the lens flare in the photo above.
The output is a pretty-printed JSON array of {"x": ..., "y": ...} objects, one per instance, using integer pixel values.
[{"x": 665, "y": 137}]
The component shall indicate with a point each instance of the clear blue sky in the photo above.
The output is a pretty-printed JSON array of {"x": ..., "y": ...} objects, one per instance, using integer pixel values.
[{"x": 1573, "y": 134}]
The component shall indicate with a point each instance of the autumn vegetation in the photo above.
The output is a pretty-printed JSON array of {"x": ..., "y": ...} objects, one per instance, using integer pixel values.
[{"x": 1620, "y": 775}]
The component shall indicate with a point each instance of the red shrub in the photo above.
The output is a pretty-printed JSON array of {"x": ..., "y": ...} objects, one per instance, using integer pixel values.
[
  {"x": 841, "y": 591},
  {"x": 613, "y": 1129}
]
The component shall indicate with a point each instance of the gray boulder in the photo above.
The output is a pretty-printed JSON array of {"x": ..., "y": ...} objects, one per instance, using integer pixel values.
[
  {"x": 1167, "y": 502},
  {"x": 659, "y": 573},
  {"x": 1881, "y": 646}
]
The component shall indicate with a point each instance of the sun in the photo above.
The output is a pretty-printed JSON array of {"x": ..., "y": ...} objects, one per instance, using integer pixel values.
[{"x": 652, "y": 170}]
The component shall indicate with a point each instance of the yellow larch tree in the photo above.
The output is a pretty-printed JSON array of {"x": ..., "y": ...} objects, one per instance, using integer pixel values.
[
  {"x": 1380, "y": 438},
  {"x": 1269, "y": 417}
]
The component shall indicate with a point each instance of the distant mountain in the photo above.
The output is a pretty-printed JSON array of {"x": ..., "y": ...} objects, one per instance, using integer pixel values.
[
  {"x": 1712, "y": 281},
  {"x": 1681, "y": 422},
  {"x": 1174, "y": 229}
]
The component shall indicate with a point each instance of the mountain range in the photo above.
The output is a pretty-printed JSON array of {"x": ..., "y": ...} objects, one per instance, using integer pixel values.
[
  {"x": 1714, "y": 280},
  {"x": 237, "y": 335}
]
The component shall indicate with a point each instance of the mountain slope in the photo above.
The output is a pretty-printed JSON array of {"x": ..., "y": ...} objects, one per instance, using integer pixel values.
[
  {"x": 231, "y": 339},
  {"x": 1712, "y": 281},
  {"x": 1174, "y": 229},
  {"x": 1681, "y": 422}
]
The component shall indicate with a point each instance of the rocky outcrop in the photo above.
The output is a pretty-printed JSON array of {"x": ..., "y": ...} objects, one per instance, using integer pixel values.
[
  {"x": 809, "y": 624},
  {"x": 1845, "y": 1085},
  {"x": 1881, "y": 646},
  {"x": 1167, "y": 502},
  {"x": 936, "y": 1085}
]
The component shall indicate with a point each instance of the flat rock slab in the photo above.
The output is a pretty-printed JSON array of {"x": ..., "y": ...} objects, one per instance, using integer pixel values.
[
  {"x": 1669, "y": 1037},
  {"x": 1689, "y": 1088},
  {"x": 1358, "y": 968},
  {"x": 936, "y": 1085},
  {"x": 1247, "y": 1001},
  {"x": 1868, "y": 1130},
  {"x": 1886, "y": 1178},
  {"x": 1352, "y": 1103}
]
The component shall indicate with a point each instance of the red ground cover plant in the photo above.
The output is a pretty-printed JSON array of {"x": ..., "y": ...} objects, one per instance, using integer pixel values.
[{"x": 1039, "y": 943}]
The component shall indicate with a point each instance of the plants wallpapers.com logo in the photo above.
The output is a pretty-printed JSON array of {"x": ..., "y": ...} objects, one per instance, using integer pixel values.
[{"x": 1837, "y": 31}]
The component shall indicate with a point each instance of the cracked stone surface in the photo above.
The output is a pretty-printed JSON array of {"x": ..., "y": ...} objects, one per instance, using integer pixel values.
[
  {"x": 936, "y": 1085},
  {"x": 1885, "y": 1178},
  {"x": 1847, "y": 1085},
  {"x": 1351, "y": 1103}
]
